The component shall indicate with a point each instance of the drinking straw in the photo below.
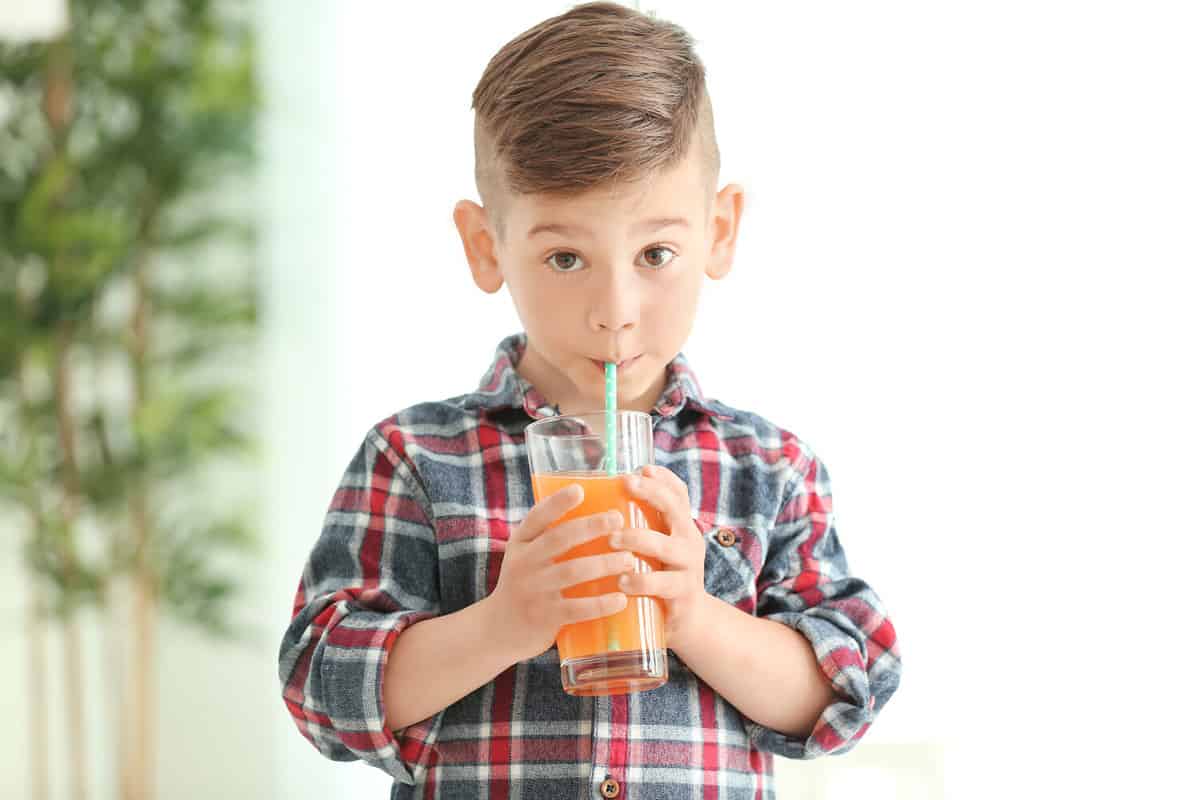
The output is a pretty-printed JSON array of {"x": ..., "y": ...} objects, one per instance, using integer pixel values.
[
  {"x": 610, "y": 460},
  {"x": 610, "y": 417}
]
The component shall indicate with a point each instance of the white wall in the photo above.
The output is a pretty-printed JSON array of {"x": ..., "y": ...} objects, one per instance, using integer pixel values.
[
  {"x": 301, "y": 267},
  {"x": 960, "y": 279}
]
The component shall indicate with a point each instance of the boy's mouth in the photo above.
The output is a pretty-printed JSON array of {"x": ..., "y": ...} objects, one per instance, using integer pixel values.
[{"x": 620, "y": 364}]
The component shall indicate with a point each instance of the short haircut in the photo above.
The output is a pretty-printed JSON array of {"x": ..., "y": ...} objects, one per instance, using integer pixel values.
[{"x": 599, "y": 95}]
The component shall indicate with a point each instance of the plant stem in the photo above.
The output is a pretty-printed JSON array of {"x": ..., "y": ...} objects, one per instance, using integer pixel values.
[
  {"x": 38, "y": 729},
  {"x": 144, "y": 671},
  {"x": 73, "y": 655},
  {"x": 116, "y": 639},
  {"x": 56, "y": 105},
  {"x": 146, "y": 595},
  {"x": 117, "y": 647},
  {"x": 72, "y": 650}
]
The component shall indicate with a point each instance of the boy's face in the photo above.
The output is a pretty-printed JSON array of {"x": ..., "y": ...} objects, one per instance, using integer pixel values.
[{"x": 613, "y": 274}]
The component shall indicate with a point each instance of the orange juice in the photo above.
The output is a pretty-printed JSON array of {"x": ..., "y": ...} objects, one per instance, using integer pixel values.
[{"x": 638, "y": 626}]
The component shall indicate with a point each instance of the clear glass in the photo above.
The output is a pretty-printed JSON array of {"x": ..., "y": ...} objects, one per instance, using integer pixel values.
[{"x": 627, "y": 651}]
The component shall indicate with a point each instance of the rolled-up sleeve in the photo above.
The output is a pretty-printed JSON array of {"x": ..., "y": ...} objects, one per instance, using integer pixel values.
[
  {"x": 805, "y": 584},
  {"x": 372, "y": 573}
]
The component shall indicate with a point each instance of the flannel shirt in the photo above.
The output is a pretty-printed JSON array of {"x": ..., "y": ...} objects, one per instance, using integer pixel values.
[{"x": 417, "y": 528}]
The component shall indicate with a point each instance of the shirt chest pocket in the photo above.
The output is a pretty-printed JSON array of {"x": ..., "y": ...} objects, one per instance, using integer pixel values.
[{"x": 732, "y": 562}]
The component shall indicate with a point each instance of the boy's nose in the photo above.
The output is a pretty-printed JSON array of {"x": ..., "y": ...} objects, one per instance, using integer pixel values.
[
  {"x": 615, "y": 304},
  {"x": 618, "y": 326},
  {"x": 614, "y": 312}
]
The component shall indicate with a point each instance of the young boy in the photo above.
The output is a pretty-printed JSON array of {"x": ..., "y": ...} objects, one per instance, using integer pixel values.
[{"x": 423, "y": 630}]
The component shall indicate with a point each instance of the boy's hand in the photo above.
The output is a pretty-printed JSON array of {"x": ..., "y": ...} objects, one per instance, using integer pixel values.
[
  {"x": 528, "y": 602},
  {"x": 680, "y": 582}
]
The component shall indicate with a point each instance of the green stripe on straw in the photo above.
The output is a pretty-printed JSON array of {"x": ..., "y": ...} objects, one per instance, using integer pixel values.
[{"x": 610, "y": 460}]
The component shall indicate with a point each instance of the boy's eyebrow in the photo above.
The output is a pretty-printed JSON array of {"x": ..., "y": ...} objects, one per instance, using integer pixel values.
[{"x": 657, "y": 223}]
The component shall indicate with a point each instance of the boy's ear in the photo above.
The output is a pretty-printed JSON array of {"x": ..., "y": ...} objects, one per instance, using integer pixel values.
[
  {"x": 479, "y": 245},
  {"x": 727, "y": 215}
]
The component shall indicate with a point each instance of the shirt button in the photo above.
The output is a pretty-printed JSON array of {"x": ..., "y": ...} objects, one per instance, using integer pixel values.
[
  {"x": 610, "y": 788},
  {"x": 726, "y": 537}
]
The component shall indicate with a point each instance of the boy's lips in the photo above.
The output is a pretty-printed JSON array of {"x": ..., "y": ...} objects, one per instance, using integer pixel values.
[{"x": 620, "y": 364}]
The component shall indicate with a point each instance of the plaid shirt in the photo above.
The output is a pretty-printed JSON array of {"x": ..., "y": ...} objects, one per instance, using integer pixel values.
[{"x": 418, "y": 527}]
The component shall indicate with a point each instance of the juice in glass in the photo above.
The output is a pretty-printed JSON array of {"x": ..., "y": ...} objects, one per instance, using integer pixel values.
[{"x": 624, "y": 652}]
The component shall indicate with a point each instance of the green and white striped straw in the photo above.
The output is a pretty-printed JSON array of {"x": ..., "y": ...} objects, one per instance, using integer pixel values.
[
  {"x": 610, "y": 416},
  {"x": 610, "y": 460}
]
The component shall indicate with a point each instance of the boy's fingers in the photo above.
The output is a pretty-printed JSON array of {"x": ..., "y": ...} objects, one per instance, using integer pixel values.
[
  {"x": 577, "y": 531},
  {"x": 677, "y": 485},
  {"x": 546, "y": 513},
  {"x": 585, "y": 608},
  {"x": 575, "y": 571},
  {"x": 662, "y": 497},
  {"x": 667, "y": 584},
  {"x": 648, "y": 543}
]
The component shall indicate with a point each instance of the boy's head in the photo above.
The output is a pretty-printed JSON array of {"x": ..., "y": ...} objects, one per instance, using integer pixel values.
[{"x": 597, "y": 162}]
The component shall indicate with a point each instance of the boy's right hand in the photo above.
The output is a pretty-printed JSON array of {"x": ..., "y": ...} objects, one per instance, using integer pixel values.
[{"x": 527, "y": 602}]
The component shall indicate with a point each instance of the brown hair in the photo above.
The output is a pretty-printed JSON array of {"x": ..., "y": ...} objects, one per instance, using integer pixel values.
[{"x": 599, "y": 95}]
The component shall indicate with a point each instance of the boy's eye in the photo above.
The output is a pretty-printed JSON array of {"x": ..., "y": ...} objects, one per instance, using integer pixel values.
[
  {"x": 655, "y": 257},
  {"x": 658, "y": 257},
  {"x": 564, "y": 262}
]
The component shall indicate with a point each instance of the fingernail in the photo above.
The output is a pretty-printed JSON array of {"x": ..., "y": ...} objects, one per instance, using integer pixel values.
[
  {"x": 614, "y": 540},
  {"x": 624, "y": 581},
  {"x": 634, "y": 482}
]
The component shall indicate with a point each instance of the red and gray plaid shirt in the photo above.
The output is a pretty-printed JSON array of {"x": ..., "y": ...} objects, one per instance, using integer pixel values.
[{"x": 417, "y": 528}]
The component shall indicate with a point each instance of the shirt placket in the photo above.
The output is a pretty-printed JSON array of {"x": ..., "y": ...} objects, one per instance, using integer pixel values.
[{"x": 608, "y": 776}]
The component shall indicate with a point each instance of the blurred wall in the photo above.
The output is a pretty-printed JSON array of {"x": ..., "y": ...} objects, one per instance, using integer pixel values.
[
  {"x": 300, "y": 158},
  {"x": 225, "y": 732}
]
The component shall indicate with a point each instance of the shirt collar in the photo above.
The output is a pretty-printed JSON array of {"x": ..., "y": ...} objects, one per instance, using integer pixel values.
[{"x": 503, "y": 388}]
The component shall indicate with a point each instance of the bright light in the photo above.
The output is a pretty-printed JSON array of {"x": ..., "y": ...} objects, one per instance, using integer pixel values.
[{"x": 32, "y": 19}]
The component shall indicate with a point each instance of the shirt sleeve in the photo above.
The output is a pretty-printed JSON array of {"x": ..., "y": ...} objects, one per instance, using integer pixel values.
[
  {"x": 805, "y": 584},
  {"x": 372, "y": 573}
]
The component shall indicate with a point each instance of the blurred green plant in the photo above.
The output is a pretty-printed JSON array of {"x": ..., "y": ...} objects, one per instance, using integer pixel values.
[{"x": 126, "y": 294}]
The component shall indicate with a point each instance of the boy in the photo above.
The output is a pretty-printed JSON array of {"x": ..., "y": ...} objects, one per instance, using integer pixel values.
[{"x": 423, "y": 630}]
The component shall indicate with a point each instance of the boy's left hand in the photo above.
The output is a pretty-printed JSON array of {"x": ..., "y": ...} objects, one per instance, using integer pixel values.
[{"x": 680, "y": 582}]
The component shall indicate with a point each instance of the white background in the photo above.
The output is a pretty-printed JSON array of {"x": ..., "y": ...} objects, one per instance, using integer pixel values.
[
  {"x": 966, "y": 278},
  {"x": 963, "y": 279}
]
